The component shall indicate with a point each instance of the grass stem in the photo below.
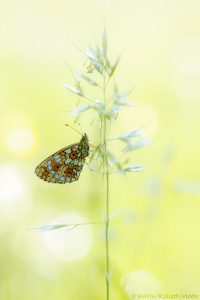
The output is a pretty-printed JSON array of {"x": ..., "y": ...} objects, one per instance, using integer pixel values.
[{"x": 107, "y": 197}]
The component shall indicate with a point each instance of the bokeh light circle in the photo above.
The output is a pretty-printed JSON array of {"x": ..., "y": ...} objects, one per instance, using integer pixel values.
[
  {"x": 11, "y": 184},
  {"x": 140, "y": 281},
  {"x": 20, "y": 140},
  {"x": 69, "y": 244}
]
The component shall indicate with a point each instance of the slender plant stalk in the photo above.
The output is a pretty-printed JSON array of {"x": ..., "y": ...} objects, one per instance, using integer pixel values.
[
  {"x": 107, "y": 197},
  {"x": 107, "y": 241}
]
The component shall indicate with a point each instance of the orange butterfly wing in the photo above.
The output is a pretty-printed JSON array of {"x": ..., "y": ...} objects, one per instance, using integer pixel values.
[{"x": 63, "y": 166}]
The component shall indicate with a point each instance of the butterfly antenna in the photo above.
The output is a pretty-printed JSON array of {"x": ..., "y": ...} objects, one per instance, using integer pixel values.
[
  {"x": 74, "y": 129},
  {"x": 80, "y": 128}
]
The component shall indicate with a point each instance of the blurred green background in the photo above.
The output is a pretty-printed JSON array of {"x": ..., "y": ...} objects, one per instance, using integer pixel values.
[{"x": 154, "y": 239}]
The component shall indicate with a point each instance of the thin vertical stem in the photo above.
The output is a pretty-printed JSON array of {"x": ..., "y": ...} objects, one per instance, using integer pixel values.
[
  {"x": 107, "y": 198},
  {"x": 107, "y": 241}
]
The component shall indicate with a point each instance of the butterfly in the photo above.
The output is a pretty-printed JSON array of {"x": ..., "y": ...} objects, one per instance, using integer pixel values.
[{"x": 66, "y": 164}]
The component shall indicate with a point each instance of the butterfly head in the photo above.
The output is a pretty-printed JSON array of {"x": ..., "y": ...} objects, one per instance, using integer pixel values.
[{"x": 85, "y": 146}]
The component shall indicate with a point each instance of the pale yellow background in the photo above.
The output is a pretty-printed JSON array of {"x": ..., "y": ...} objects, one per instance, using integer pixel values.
[{"x": 155, "y": 239}]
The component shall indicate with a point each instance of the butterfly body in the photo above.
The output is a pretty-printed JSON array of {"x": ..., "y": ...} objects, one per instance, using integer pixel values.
[{"x": 66, "y": 164}]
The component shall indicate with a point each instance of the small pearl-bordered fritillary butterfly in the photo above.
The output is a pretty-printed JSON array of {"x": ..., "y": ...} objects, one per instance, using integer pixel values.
[{"x": 66, "y": 164}]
